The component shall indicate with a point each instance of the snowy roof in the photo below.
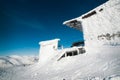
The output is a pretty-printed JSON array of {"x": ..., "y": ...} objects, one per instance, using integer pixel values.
[
  {"x": 48, "y": 42},
  {"x": 77, "y": 22}
]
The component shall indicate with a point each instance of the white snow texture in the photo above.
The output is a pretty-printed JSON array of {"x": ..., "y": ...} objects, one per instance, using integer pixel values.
[{"x": 101, "y": 61}]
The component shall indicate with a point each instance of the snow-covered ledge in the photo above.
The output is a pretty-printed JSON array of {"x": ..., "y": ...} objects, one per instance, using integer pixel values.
[{"x": 47, "y": 50}]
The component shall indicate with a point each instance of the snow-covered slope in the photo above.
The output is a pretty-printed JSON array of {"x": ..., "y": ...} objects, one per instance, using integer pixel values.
[
  {"x": 14, "y": 60},
  {"x": 97, "y": 66}
]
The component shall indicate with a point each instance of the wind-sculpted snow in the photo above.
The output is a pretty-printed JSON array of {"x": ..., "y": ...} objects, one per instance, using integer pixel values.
[{"x": 100, "y": 62}]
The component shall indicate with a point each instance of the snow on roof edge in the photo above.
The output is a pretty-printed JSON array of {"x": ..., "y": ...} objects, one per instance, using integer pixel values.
[
  {"x": 48, "y": 41},
  {"x": 80, "y": 17}
]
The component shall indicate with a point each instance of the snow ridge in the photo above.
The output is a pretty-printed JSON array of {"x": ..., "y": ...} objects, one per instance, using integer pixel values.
[{"x": 14, "y": 60}]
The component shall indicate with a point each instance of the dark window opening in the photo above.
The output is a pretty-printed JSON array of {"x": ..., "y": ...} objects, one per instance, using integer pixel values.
[
  {"x": 101, "y": 10},
  {"x": 81, "y": 50},
  {"x": 73, "y": 53},
  {"x": 89, "y": 14},
  {"x": 79, "y": 43},
  {"x": 69, "y": 53}
]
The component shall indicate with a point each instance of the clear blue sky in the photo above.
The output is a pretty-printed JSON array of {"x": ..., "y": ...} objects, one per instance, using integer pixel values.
[{"x": 23, "y": 23}]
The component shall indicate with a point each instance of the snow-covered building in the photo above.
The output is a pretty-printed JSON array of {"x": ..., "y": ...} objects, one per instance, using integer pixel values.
[
  {"x": 101, "y": 31},
  {"x": 100, "y": 26},
  {"x": 49, "y": 50},
  {"x": 101, "y": 58}
]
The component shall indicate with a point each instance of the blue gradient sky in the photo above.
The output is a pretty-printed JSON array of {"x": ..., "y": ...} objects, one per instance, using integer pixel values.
[{"x": 23, "y": 23}]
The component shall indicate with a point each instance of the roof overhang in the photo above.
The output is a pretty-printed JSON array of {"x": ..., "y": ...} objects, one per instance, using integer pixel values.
[{"x": 74, "y": 23}]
